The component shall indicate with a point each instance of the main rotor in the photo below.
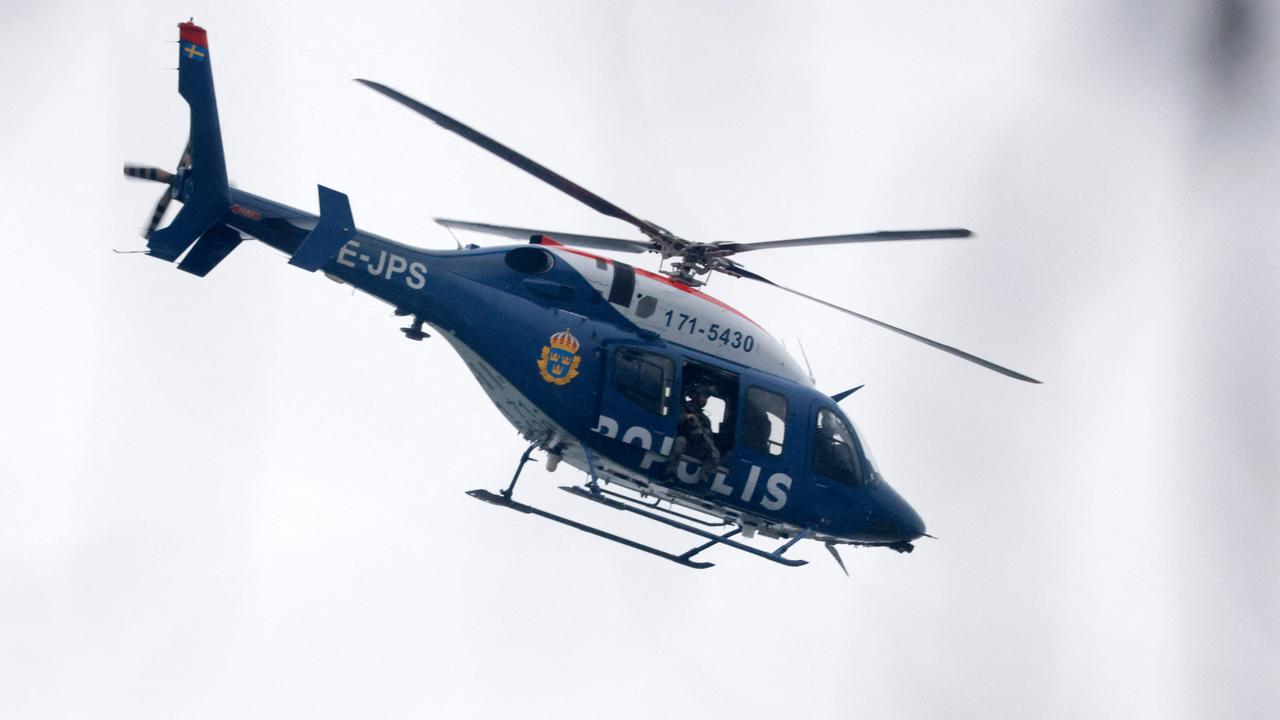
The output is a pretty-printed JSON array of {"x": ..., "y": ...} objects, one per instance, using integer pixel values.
[{"x": 690, "y": 262}]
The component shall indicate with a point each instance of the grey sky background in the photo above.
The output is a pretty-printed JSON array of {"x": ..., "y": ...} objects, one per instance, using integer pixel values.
[{"x": 243, "y": 495}]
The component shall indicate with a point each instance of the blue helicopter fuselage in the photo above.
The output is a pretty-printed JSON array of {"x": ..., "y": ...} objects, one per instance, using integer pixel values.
[
  {"x": 607, "y": 367},
  {"x": 587, "y": 357}
]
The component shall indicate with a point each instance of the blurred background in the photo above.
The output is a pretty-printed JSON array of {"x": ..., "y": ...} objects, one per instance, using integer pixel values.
[{"x": 243, "y": 495}]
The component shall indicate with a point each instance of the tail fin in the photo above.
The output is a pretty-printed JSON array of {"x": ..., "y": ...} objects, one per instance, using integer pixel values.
[{"x": 201, "y": 187}]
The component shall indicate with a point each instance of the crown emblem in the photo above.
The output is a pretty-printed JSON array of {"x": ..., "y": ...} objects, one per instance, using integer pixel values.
[
  {"x": 565, "y": 341},
  {"x": 559, "y": 361}
]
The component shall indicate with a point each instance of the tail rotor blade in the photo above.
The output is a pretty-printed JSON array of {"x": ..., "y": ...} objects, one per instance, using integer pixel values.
[
  {"x": 155, "y": 174},
  {"x": 158, "y": 215},
  {"x": 143, "y": 172}
]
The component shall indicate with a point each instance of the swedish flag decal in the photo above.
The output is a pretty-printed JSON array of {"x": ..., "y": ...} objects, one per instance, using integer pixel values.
[{"x": 192, "y": 51}]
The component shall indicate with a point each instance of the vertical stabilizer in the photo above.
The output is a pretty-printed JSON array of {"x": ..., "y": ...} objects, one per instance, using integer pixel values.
[{"x": 201, "y": 187}]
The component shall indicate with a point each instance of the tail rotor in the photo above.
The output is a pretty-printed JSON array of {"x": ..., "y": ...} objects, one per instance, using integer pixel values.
[{"x": 155, "y": 174}]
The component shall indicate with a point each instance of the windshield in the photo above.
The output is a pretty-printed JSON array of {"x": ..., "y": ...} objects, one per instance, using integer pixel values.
[
  {"x": 872, "y": 467},
  {"x": 835, "y": 452}
]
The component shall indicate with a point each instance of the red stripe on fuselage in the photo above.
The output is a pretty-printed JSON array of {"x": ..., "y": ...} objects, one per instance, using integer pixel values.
[{"x": 545, "y": 240}]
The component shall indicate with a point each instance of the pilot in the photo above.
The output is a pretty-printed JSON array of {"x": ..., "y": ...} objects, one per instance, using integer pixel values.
[{"x": 694, "y": 436}]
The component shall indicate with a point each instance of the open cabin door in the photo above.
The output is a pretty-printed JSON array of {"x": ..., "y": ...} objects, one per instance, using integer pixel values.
[{"x": 638, "y": 406}]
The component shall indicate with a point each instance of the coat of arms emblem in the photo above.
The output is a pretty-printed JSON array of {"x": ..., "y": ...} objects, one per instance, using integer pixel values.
[{"x": 559, "y": 361}]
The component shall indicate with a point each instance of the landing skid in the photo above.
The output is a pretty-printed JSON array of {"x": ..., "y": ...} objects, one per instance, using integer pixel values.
[
  {"x": 722, "y": 539},
  {"x": 594, "y": 493},
  {"x": 507, "y": 502}
]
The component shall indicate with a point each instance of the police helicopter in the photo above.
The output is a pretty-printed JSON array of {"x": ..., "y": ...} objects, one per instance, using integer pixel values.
[{"x": 677, "y": 407}]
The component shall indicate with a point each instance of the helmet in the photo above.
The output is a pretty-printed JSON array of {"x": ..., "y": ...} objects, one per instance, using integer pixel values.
[{"x": 700, "y": 389}]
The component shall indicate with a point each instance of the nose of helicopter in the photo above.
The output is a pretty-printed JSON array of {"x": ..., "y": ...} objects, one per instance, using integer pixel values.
[
  {"x": 909, "y": 520},
  {"x": 898, "y": 521}
]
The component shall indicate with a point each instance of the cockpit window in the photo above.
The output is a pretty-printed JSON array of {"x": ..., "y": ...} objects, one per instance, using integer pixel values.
[{"x": 834, "y": 455}]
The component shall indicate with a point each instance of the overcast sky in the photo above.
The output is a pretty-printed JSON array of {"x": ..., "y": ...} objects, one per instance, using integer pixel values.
[{"x": 243, "y": 495}]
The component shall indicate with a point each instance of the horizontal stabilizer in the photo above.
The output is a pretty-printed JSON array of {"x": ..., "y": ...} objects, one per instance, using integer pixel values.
[
  {"x": 194, "y": 220},
  {"x": 212, "y": 248},
  {"x": 332, "y": 232}
]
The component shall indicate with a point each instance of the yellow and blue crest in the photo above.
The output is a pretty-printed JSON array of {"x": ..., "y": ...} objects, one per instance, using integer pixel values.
[{"x": 559, "y": 361}]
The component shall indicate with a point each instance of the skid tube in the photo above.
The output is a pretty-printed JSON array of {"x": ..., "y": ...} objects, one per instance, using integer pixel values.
[
  {"x": 507, "y": 502},
  {"x": 504, "y": 498},
  {"x": 592, "y": 491}
]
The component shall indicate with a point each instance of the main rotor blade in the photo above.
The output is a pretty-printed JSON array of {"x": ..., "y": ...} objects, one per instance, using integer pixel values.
[
  {"x": 880, "y": 236},
  {"x": 743, "y": 272},
  {"x": 591, "y": 241},
  {"x": 542, "y": 173}
]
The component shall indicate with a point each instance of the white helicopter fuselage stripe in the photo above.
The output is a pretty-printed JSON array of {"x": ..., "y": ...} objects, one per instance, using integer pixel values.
[{"x": 687, "y": 316}]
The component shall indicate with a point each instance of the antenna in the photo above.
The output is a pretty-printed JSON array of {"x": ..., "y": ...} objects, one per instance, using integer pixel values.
[
  {"x": 831, "y": 548},
  {"x": 456, "y": 241},
  {"x": 805, "y": 355}
]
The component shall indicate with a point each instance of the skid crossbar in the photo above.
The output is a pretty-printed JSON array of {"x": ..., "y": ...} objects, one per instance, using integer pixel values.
[
  {"x": 656, "y": 506},
  {"x": 723, "y": 539}
]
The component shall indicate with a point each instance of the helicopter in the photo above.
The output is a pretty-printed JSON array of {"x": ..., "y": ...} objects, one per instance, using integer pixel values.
[{"x": 678, "y": 408}]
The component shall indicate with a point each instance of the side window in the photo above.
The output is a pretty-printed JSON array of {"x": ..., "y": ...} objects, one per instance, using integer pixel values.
[
  {"x": 644, "y": 378},
  {"x": 764, "y": 421},
  {"x": 833, "y": 451}
]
